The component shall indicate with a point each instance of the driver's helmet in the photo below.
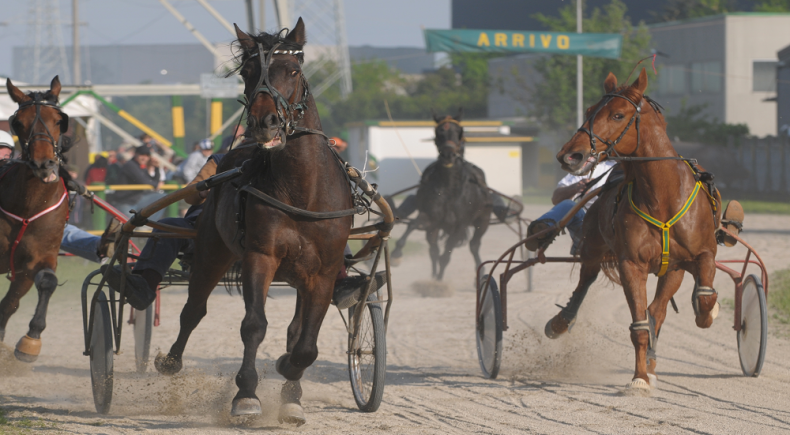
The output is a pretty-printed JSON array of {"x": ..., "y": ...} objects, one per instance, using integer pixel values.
[{"x": 6, "y": 140}]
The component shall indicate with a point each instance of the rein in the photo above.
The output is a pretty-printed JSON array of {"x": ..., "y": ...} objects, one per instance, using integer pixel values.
[{"x": 38, "y": 101}]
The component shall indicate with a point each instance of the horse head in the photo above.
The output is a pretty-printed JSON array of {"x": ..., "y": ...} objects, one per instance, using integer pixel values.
[
  {"x": 40, "y": 125},
  {"x": 449, "y": 138},
  {"x": 607, "y": 129},
  {"x": 274, "y": 85}
]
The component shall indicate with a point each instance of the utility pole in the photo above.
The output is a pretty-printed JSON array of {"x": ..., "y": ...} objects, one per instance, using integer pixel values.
[
  {"x": 579, "y": 72},
  {"x": 262, "y": 15},
  {"x": 75, "y": 21},
  {"x": 250, "y": 18}
]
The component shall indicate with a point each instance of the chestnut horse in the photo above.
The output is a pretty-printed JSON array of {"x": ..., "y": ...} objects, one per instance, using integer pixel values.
[
  {"x": 452, "y": 196},
  {"x": 626, "y": 125},
  {"x": 33, "y": 209},
  {"x": 292, "y": 162}
]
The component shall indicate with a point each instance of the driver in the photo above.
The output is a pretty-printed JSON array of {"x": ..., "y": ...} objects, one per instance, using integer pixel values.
[{"x": 568, "y": 190}]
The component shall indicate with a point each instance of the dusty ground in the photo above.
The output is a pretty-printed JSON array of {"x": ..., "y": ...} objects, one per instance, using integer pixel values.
[{"x": 434, "y": 384}]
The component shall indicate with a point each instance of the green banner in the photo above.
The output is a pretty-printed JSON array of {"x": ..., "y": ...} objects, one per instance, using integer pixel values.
[{"x": 606, "y": 45}]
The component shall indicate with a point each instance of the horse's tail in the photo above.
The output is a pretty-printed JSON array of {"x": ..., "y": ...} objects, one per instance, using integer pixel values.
[{"x": 609, "y": 265}]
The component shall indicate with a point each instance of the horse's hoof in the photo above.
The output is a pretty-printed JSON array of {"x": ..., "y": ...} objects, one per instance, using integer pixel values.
[
  {"x": 653, "y": 380},
  {"x": 28, "y": 349},
  {"x": 281, "y": 361},
  {"x": 637, "y": 387},
  {"x": 167, "y": 365},
  {"x": 556, "y": 327},
  {"x": 291, "y": 413},
  {"x": 246, "y": 406}
]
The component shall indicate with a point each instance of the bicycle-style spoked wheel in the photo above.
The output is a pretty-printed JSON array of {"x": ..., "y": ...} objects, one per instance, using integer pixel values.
[
  {"x": 367, "y": 358},
  {"x": 101, "y": 355},
  {"x": 489, "y": 329},
  {"x": 753, "y": 336},
  {"x": 143, "y": 325}
]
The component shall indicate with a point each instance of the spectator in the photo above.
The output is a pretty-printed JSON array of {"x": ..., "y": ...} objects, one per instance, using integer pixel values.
[
  {"x": 136, "y": 171},
  {"x": 151, "y": 144},
  {"x": 97, "y": 171},
  {"x": 229, "y": 141},
  {"x": 197, "y": 159},
  {"x": 6, "y": 145}
]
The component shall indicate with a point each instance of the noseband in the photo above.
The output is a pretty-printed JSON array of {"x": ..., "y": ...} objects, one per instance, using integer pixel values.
[
  {"x": 288, "y": 114},
  {"x": 38, "y": 101}
]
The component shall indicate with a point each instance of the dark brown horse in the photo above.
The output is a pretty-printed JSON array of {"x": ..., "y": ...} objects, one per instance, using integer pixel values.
[
  {"x": 33, "y": 209},
  {"x": 292, "y": 163},
  {"x": 627, "y": 126},
  {"x": 452, "y": 196}
]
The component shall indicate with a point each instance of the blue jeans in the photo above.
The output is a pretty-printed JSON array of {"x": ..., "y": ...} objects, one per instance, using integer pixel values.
[
  {"x": 560, "y": 210},
  {"x": 81, "y": 243},
  {"x": 159, "y": 254}
]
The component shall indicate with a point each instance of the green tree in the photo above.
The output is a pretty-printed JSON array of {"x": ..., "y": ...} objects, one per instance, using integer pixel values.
[
  {"x": 684, "y": 9},
  {"x": 773, "y": 6},
  {"x": 553, "y": 101},
  {"x": 692, "y": 125}
]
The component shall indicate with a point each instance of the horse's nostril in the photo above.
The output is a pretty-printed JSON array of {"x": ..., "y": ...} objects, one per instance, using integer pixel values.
[{"x": 573, "y": 158}]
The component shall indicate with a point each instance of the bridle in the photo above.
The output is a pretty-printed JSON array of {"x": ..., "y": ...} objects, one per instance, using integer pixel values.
[
  {"x": 457, "y": 147},
  {"x": 38, "y": 101},
  {"x": 635, "y": 119},
  {"x": 288, "y": 113}
]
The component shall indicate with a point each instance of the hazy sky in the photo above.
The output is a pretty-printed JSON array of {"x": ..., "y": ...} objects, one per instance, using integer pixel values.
[{"x": 383, "y": 23}]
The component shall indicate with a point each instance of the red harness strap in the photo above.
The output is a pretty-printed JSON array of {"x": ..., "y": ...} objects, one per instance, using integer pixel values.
[{"x": 26, "y": 222}]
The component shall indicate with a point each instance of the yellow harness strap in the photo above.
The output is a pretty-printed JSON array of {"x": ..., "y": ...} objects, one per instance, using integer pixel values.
[{"x": 664, "y": 226}]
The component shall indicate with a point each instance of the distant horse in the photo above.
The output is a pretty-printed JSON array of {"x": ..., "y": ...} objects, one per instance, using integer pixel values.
[
  {"x": 661, "y": 219},
  {"x": 452, "y": 196},
  {"x": 292, "y": 163},
  {"x": 33, "y": 209}
]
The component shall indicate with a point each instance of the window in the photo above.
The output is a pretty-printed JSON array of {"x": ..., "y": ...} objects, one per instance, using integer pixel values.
[
  {"x": 672, "y": 80},
  {"x": 764, "y": 75},
  {"x": 706, "y": 77}
]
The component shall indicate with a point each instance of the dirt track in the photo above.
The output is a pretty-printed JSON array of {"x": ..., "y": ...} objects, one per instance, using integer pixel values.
[{"x": 434, "y": 384}]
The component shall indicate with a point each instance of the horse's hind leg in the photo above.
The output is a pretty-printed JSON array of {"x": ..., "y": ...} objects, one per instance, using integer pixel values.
[
  {"x": 668, "y": 285},
  {"x": 302, "y": 350},
  {"x": 398, "y": 251},
  {"x": 258, "y": 271},
  {"x": 29, "y": 346},
  {"x": 481, "y": 226},
  {"x": 565, "y": 319},
  {"x": 453, "y": 241},
  {"x": 432, "y": 237}
]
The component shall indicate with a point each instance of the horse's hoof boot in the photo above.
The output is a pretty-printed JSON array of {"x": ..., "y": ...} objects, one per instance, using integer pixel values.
[
  {"x": 637, "y": 387},
  {"x": 653, "y": 380},
  {"x": 167, "y": 365},
  {"x": 28, "y": 349},
  {"x": 291, "y": 413},
  {"x": 555, "y": 327},
  {"x": 246, "y": 406}
]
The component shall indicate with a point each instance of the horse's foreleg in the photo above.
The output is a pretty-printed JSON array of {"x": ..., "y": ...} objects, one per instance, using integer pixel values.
[
  {"x": 453, "y": 241},
  {"x": 10, "y": 302},
  {"x": 432, "y": 236},
  {"x": 703, "y": 299},
  {"x": 206, "y": 273},
  {"x": 29, "y": 346},
  {"x": 313, "y": 301},
  {"x": 668, "y": 285},
  {"x": 481, "y": 226},
  {"x": 634, "y": 279},
  {"x": 257, "y": 271},
  {"x": 398, "y": 251}
]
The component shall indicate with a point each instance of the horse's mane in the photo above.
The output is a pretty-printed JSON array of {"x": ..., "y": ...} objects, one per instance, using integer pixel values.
[
  {"x": 267, "y": 40},
  {"x": 47, "y": 96}
]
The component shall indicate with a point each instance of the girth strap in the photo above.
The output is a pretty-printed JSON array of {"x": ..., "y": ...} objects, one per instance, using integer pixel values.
[{"x": 664, "y": 226}]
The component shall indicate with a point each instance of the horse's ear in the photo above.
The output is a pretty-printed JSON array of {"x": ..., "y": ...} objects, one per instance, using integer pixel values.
[
  {"x": 244, "y": 39},
  {"x": 610, "y": 84},
  {"x": 16, "y": 94},
  {"x": 640, "y": 84},
  {"x": 435, "y": 118},
  {"x": 459, "y": 115},
  {"x": 54, "y": 87},
  {"x": 297, "y": 34}
]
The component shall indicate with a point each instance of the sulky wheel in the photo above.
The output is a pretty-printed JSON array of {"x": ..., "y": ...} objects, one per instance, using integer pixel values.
[
  {"x": 101, "y": 355},
  {"x": 753, "y": 336},
  {"x": 143, "y": 324},
  {"x": 489, "y": 329},
  {"x": 367, "y": 359}
]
